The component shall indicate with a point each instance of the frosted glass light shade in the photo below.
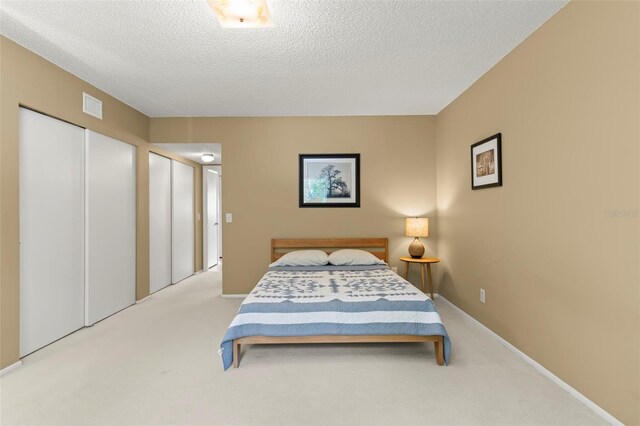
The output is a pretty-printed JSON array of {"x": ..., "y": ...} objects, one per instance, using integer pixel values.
[
  {"x": 417, "y": 227},
  {"x": 207, "y": 158},
  {"x": 242, "y": 13}
]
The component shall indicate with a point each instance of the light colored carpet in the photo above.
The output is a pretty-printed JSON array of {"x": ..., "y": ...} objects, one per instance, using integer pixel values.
[{"x": 156, "y": 363}]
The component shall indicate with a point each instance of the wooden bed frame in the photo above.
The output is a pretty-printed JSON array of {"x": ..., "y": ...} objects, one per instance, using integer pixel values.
[{"x": 379, "y": 247}]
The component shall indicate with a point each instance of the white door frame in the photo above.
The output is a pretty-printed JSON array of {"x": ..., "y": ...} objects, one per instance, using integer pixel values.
[{"x": 205, "y": 215}]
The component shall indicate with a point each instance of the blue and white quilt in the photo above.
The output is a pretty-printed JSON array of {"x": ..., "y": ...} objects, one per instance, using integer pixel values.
[{"x": 352, "y": 300}]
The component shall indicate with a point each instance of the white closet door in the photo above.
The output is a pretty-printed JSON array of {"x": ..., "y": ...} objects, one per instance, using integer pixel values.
[
  {"x": 213, "y": 181},
  {"x": 111, "y": 226},
  {"x": 51, "y": 229},
  {"x": 182, "y": 241},
  {"x": 159, "y": 222}
]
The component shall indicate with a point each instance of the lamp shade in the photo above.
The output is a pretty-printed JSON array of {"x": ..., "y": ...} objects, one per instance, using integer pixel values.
[{"x": 417, "y": 227}]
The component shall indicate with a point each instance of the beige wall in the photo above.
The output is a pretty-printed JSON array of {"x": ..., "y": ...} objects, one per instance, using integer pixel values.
[
  {"x": 561, "y": 276},
  {"x": 561, "y": 273},
  {"x": 28, "y": 80},
  {"x": 260, "y": 184}
]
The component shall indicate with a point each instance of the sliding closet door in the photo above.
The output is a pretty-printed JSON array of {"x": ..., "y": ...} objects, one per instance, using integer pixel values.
[
  {"x": 51, "y": 230},
  {"x": 111, "y": 226},
  {"x": 182, "y": 241},
  {"x": 159, "y": 222}
]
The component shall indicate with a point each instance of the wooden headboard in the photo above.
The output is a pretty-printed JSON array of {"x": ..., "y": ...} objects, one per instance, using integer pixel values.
[{"x": 379, "y": 247}]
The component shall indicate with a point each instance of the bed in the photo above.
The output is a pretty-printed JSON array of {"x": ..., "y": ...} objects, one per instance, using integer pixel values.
[{"x": 334, "y": 304}]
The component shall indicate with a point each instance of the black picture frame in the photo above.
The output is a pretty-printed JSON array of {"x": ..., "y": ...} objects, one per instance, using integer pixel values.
[
  {"x": 486, "y": 162},
  {"x": 347, "y": 190}
]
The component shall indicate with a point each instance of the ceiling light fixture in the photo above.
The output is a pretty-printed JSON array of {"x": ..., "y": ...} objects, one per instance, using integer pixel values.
[
  {"x": 207, "y": 158},
  {"x": 242, "y": 13}
]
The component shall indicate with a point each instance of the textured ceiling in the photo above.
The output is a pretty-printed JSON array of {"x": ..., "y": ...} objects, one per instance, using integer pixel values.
[
  {"x": 194, "y": 151},
  {"x": 322, "y": 57}
]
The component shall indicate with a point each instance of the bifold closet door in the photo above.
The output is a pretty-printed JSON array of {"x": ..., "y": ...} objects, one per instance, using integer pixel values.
[
  {"x": 183, "y": 228},
  {"x": 110, "y": 227},
  {"x": 51, "y": 229},
  {"x": 159, "y": 222}
]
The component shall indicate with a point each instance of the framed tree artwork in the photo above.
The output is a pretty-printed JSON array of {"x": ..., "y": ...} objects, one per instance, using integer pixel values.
[
  {"x": 329, "y": 180},
  {"x": 486, "y": 162}
]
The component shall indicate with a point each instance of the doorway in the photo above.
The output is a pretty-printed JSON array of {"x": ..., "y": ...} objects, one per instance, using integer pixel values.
[{"x": 212, "y": 226}]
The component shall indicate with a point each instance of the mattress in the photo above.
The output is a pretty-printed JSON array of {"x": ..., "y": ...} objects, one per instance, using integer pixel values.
[{"x": 332, "y": 300}]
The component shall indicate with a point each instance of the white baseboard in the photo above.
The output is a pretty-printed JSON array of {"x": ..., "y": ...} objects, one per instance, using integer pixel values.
[
  {"x": 573, "y": 392},
  {"x": 10, "y": 368}
]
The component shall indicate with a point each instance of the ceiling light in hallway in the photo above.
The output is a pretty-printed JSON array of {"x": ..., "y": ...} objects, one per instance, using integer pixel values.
[{"x": 207, "y": 158}]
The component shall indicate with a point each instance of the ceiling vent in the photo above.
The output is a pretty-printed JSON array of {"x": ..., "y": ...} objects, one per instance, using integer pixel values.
[{"x": 91, "y": 106}]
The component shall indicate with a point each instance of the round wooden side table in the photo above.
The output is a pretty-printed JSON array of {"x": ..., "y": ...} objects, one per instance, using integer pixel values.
[{"x": 422, "y": 261}]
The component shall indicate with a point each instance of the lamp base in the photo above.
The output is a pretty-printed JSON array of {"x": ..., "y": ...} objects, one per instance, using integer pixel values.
[{"x": 416, "y": 249}]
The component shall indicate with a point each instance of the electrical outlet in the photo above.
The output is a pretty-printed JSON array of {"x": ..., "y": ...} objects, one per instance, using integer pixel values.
[
  {"x": 482, "y": 295},
  {"x": 229, "y": 217},
  {"x": 394, "y": 269}
]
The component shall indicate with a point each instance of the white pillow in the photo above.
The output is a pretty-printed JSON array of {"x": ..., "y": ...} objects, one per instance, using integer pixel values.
[
  {"x": 303, "y": 258},
  {"x": 354, "y": 257}
]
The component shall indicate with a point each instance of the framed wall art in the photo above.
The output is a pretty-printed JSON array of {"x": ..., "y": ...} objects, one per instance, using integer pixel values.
[
  {"x": 486, "y": 162},
  {"x": 329, "y": 180}
]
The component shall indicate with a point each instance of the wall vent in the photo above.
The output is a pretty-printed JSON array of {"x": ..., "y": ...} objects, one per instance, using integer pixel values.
[{"x": 91, "y": 106}]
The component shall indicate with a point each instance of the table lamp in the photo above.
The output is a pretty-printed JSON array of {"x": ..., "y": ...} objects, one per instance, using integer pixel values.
[{"x": 416, "y": 227}]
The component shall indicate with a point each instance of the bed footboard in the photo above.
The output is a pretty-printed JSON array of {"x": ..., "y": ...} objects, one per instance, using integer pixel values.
[{"x": 438, "y": 342}]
